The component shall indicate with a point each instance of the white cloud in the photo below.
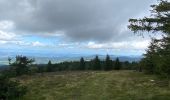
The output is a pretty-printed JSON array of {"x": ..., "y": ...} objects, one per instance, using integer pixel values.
[
  {"x": 7, "y": 38},
  {"x": 12, "y": 39},
  {"x": 3, "y": 42},
  {"x": 93, "y": 45},
  {"x": 131, "y": 45},
  {"x": 7, "y": 35},
  {"x": 141, "y": 44},
  {"x": 38, "y": 44},
  {"x": 64, "y": 44},
  {"x": 6, "y": 25}
]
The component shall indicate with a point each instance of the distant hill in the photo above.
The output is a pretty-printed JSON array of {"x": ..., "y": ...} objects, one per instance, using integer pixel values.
[
  {"x": 113, "y": 57},
  {"x": 61, "y": 58}
]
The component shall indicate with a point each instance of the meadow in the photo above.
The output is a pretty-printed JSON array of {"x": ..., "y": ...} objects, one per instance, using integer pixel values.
[{"x": 95, "y": 85}]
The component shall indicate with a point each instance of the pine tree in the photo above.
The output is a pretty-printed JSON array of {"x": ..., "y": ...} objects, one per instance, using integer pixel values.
[
  {"x": 117, "y": 64},
  {"x": 21, "y": 65},
  {"x": 108, "y": 63},
  {"x": 49, "y": 63},
  {"x": 49, "y": 66},
  {"x": 82, "y": 64},
  {"x": 156, "y": 60},
  {"x": 96, "y": 63},
  {"x": 157, "y": 57},
  {"x": 159, "y": 20}
]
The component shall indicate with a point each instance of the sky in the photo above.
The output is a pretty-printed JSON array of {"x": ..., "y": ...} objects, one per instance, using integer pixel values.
[{"x": 51, "y": 27}]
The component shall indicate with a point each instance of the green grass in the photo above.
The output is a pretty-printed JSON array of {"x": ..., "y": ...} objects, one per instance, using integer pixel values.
[{"x": 100, "y": 85}]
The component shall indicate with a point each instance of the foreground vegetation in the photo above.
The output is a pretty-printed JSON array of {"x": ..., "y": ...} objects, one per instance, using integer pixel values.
[
  {"x": 95, "y": 85},
  {"x": 11, "y": 89}
]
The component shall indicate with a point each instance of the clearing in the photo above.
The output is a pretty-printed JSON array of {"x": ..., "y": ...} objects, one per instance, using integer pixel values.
[{"x": 95, "y": 85}]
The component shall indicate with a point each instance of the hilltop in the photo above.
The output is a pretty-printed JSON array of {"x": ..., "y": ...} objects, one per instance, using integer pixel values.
[{"x": 95, "y": 85}]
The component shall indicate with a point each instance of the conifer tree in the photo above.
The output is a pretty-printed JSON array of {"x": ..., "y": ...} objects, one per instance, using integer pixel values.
[
  {"x": 49, "y": 63},
  {"x": 49, "y": 66},
  {"x": 21, "y": 65},
  {"x": 108, "y": 63},
  {"x": 159, "y": 20},
  {"x": 117, "y": 64},
  {"x": 10, "y": 90},
  {"x": 96, "y": 63},
  {"x": 157, "y": 57},
  {"x": 82, "y": 64}
]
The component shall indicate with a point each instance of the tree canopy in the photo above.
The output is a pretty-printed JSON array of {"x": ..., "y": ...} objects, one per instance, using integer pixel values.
[
  {"x": 159, "y": 20},
  {"x": 82, "y": 64},
  {"x": 117, "y": 64},
  {"x": 96, "y": 63},
  {"x": 157, "y": 57},
  {"x": 108, "y": 63},
  {"x": 21, "y": 64}
]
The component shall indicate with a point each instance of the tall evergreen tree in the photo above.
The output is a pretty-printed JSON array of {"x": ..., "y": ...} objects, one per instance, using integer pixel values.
[
  {"x": 49, "y": 66},
  {"x": 96, "y": 63},
  {"x": 49, "y": 63},
  {"x": 157, "y": 57},
  {"x": 108, "y": 63},
  {"x": 82, "y": 64},
  {"x": 158, "y": 54},
  {"x": 117, "y": 64}
]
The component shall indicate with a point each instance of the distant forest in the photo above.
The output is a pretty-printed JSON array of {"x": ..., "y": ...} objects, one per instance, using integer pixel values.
[{"x": 24, "y": 65}]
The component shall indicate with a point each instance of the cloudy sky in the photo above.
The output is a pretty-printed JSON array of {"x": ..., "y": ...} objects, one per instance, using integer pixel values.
[{"x": 71, "y": 26}]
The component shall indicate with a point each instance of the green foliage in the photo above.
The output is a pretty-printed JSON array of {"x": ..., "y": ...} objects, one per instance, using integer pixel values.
[
  {"x": 32, "y": 69},
  {"x": 130, "y": 65},
  {"x": 96, "y": 63},
  {"x": 108, "y": 63},
  {"x": 49, "y": 66},
  {"x": 157, "y": 57},
  {"x": 82, "y": 64},
  {"x": 49, "y": 63},
  {"x": 21, "y": 65},
  {"x": 160, "y": 20},
  {"x": 117, "y": 64},
  {"x": 22, "y": 61},
  {"x": 9, "y": 60},
  {"x": 10, "y": 90},
  {"x": 17, "y": 68}
]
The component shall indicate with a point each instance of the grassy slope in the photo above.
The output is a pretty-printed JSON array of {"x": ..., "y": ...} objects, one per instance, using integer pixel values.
[{"x": 120, "y": 85}]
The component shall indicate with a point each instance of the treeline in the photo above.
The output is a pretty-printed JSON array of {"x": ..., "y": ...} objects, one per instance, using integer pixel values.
[
  {"x": 94, "y": 64},
  {"x": 24, "y": 65}
]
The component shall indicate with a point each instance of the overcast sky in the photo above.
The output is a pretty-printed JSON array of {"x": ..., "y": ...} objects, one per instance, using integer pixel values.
[{"x": 72, "y": 26}]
